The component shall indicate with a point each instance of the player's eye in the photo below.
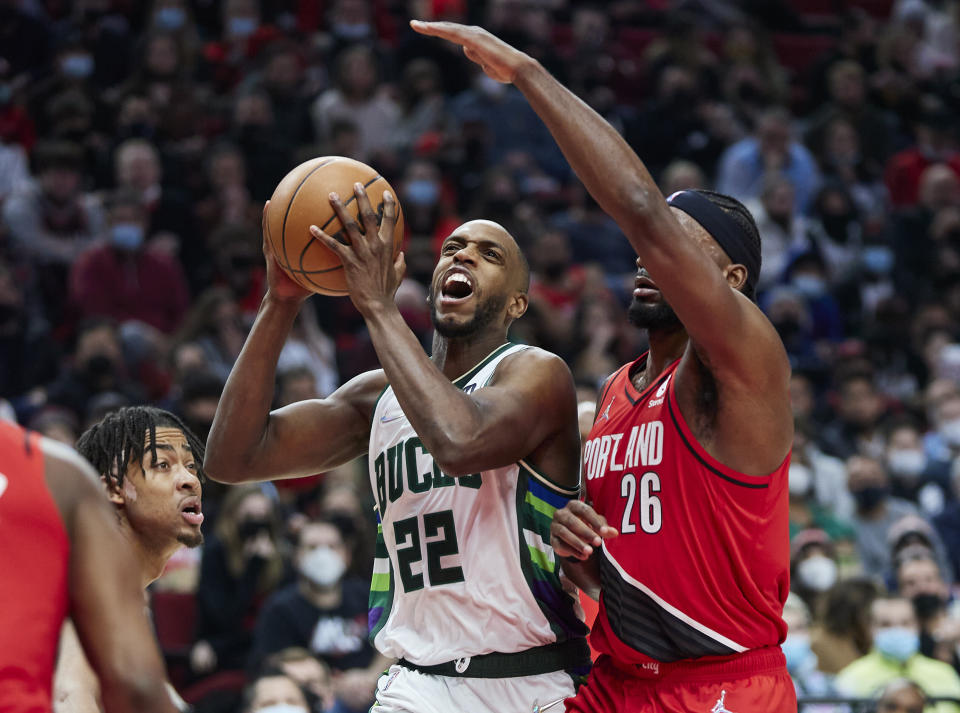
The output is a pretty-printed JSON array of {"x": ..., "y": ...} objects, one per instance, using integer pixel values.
[
  {"x": 450, "y": 248},
  {"x": 162, "y": 465}
]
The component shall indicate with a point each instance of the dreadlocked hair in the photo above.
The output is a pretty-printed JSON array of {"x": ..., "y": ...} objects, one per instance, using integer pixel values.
[
  {"x": 125, "y": 435},
  {"x": 738, "y": 211}
]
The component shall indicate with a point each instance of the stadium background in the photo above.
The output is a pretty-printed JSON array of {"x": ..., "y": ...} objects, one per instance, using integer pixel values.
[{"x": 834, "y": 121}]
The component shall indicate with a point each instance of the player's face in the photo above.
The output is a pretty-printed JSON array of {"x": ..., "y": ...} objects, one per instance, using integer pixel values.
[
  {"x": 648, "y": 308},
  {"x": 162, "y": 501},
  {"x": 476, "y": 281}
]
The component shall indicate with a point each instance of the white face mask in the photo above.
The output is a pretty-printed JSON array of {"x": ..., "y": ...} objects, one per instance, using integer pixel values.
[
  {"x": 950, "y": 430},
  {"x": 323, "y": 566},
  {"x": 800, "y": 479},
  {"x": 818, "y": 573},
  {"x": 282, "y": 708},
  {"x": 906, "y": 463}
]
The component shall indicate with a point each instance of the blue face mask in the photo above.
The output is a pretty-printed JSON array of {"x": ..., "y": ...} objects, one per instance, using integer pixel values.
[
  {"x": 800, "y": 657},
  {"x": 897, "y": 642},
  {"x": 877, "y": 259},
  {"x": 242, "y": 26},
  {"x": 422, "y": 192},
  {"x": 78, "y": 66},
  {"x": 809, "y": 285},
  {"x": 127, "y": 236},
  {"x": 171, "y": 18}
]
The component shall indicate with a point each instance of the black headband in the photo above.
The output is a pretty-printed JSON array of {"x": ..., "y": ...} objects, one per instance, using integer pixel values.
[{"x": 722, "y": 228}]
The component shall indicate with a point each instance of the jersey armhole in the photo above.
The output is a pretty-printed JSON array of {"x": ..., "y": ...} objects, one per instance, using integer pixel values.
[{"x": 547, "y": 482}]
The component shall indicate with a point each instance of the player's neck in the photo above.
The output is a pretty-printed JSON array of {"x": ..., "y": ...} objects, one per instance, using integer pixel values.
[
  {"x": 666, "y": 346},
  {"x": 151, "y": 558},
  {"x": 456, "y": 356}
]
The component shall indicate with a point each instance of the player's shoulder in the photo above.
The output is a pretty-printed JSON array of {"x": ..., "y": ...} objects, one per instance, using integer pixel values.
[
  {"x": 532, "y": 359},
  {"x": 63, "y": 462}
]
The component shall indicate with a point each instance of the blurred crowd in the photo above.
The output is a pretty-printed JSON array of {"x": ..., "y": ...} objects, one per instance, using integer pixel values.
[{"x": 139, "y": 141}]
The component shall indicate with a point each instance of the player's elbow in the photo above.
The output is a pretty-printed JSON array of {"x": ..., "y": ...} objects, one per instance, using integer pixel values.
[
  {"x": 641, "y": 201},
  {"x": 457, "y": 458}
]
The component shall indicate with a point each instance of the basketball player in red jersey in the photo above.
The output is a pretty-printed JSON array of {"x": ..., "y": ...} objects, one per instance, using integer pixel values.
[
  {"x": 62, "y": 556},
  {"x": 689, "y": 452},
  {"x": 149, "y": 462}
]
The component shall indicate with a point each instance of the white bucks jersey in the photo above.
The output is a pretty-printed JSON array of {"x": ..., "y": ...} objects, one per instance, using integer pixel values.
[{"x": 463, "y": 565}]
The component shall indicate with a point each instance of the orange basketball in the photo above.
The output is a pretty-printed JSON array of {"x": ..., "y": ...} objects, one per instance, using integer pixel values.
[{"x": 301, "y": 200}]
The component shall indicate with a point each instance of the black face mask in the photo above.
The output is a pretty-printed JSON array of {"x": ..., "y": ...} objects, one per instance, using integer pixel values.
[
  {"x": 926, "y": 605},
  {"x": 553, "y": 271},
  {"x": 868, "y": 498},
  {"x": 9, "y": 314},
  {"x": 98, "y": 367},
  {"x": 250, "y": 529},
  {"x": 788, "y": 329},
  {"x": 836, "y": 226}
]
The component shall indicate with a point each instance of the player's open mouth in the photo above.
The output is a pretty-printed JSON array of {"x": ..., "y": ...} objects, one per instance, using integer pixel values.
[
  {"x": 645, "y": 289},
  {"x": 457, "y": 287},
  {"x": 190, "y": 511}
]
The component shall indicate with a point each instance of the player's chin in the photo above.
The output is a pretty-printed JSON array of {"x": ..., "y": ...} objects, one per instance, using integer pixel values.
[{"x": 190, "y": 536}]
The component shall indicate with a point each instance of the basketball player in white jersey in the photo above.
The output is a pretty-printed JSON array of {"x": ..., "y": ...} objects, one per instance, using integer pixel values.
[{"x": 470, "y": 450}]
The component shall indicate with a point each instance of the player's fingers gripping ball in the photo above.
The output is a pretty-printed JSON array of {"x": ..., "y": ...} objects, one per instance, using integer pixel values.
[{"x": 301, "y": 199}]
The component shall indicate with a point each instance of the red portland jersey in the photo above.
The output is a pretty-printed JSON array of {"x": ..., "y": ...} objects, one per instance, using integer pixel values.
[
  {"x": 701, "y": 565},
  {"x": 33, "y": 575}
]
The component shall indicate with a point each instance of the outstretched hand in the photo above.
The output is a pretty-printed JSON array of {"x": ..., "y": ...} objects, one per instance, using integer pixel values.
[
  {"x": 373, "y": 273},
  {"x": 496, "y": 58}
]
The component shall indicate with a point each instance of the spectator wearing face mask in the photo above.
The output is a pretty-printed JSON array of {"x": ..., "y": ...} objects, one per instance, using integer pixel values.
[
  {"x": 274, "y": 692},
  {"x": 821, "y": 480},
  {"x": 96, "y": 367},
  {"x": 919, "y": 579},
  {"x": 324, "y": 613},
  {"x": 801, "y": 661},
  {"x": 242, "y": 565},
  {"x": 895, "y": 654},
  {"x": 123, "y": 280},
  {"x": 913, "y": 475},
  {"x": 813, "y": 566},
  {"x": 875, "y": 513},
  {"x": 859, "y": 407}
]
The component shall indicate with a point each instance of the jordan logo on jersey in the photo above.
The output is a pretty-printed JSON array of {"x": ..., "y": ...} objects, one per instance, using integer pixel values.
[
  {"x": 719, "y": 707},
  {"x": 606, "y": 413}
]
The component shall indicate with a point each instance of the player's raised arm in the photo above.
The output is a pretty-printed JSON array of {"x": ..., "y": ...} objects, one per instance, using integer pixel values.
[
  {"x": 717, "y": 318},
  {"x": 247, "y": 441},
  {"x": 106, "y": 601}
]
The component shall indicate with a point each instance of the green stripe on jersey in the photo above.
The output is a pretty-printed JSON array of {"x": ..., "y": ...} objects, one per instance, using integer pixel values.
[{"x": 381, "y": 588}]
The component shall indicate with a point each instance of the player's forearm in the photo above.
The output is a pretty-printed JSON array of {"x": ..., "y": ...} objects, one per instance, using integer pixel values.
[
  {"x": 440, "y": 413},
  {"x": 613, "y": 174},
  {"x": 242, "y": 419}
]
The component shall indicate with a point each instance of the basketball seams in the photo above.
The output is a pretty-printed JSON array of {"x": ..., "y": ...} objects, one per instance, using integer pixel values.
[
  {"x": 286, "y": 214},
  {"x": 306, "y": 247}
]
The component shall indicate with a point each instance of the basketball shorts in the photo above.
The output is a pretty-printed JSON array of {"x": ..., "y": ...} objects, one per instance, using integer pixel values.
[
  {"x": 403, "y": 690},
  {"x": 752, "y": 682}
]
